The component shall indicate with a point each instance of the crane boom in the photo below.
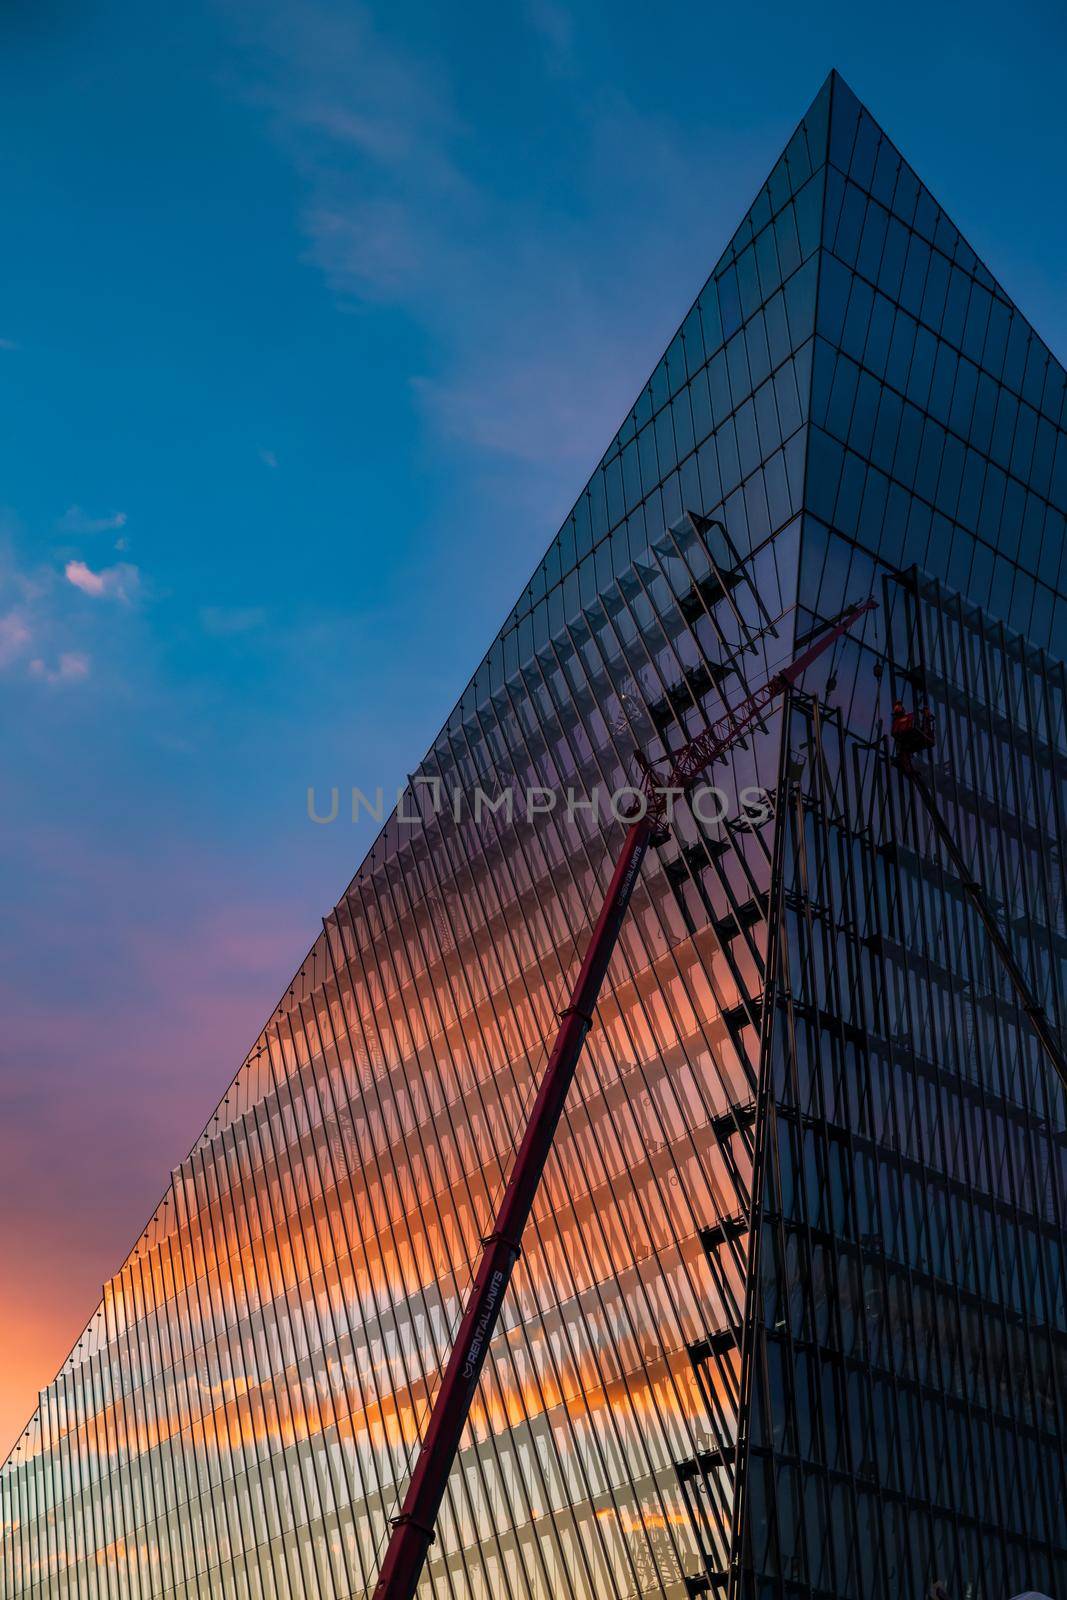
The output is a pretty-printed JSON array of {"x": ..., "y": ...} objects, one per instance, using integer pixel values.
[{"x": 413, "y": 1529}]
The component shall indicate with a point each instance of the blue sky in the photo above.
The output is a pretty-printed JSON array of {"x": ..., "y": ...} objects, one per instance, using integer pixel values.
[{"x": 315, "y": 318}]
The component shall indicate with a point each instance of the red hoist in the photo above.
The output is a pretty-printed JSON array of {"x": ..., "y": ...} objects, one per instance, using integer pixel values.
[{"x": 413, "y": 1529}]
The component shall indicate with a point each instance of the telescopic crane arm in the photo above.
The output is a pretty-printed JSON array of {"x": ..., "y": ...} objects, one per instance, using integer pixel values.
[{"x": 413, "y": 1529}]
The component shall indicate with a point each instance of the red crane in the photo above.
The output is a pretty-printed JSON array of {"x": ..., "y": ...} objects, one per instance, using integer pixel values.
[{"x": 413, "y": 1529}]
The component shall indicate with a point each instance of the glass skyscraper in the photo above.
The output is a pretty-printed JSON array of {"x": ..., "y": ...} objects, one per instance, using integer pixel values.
[{"x": 790, "y": 1318}]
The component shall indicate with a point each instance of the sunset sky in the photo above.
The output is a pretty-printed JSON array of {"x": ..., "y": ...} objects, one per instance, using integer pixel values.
[{"x": 314, "y": 320}]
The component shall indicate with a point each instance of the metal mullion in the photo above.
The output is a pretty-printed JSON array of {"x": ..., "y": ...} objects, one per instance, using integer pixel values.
[
  {"x": 298, "y": 1417},
  {"x": 181, "y": 1440},
  {"x": 670, "y": 948},
  {"x": 805, "y": 922},
  {"x": 11, "y": 1522},
  {"x": 974, "y": 965},
  {"x": 199, "y": 1420},
  {"x": 439, "y": 1213},
  {"x": 313, "y": 1086},
  {"x": 54, "y": 1522},
  {"x": 650, "y": 965},
  {"x": 96, "y": 1480},
  {"x": 328, "y": 1184},
  {"x": 137, "y": 1266},
  {"x": 55, "y": 1393},
  {"x": 239, "y": 1186},
  {"x": 37, "y": 1545},
  {"x": 568, "y": 858},
  {"x": 72, "y": 1533},
  {"x": 374, "y": 1082},
  {"x": 519, "y": 1326},
  {"x": 640, "y": 634},
  {"x": 372, "y": 1290},
  {"x": 1048, "y": 1091},
  {"x": 735, "y": 658},
  {"x": 102, "y": 1432},
  {"x": 27, "y": 1503},
  {"x": 766, "y": 1163},
  {"x": 160, "y": 1517},
  {"x": 251, "y": 1461},
  {"x": 740, "y": 855},
  {"x": 1041, "y": 829},
  {"x": 972, "y": 962},
  {"x": 850, "y": 908},
  {"x": 994, "y": 807},
  {"x": 50, "y": 1485},
  {"x": 820, "y": 917},
  {"x": 740, "y": 562},
  {"x": 279, "y": 1381},
  {"x": 103, "y": 1420},
  {"x": 1013, "y": 759},
  {"x": 1055, "y": 790},
  {"x": 864, "y": 853},
  {"x": 908, "y": 909},
  {"x": 74, "y": 1537},
  {"x": 150, "y": 1515},
  {"x": 464, "y": 1178},
  {"x": 149, "y": 1397},
  {"x": 369, "y": 1270},
  {"x": 687, "y": 1135},
  {"x": 336, "y": 1188},
  {"x": 536, "y": 1222},
  {"x": 83, "y": 1498},
  {"x": 593, "y": 1282},
  {"x": 34, "y": 1542},
  {"x": 76, "y": 1523},
  {"x": 706, "y": 1531},
  {"x": 682, "y": 1413},
  {"x": 996, "y": 1019}
]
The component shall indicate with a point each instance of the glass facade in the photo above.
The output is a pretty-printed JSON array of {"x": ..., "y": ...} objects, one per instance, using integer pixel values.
[{"x": 790, "y": 1317}]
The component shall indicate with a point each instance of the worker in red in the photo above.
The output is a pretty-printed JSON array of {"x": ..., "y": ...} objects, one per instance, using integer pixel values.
[
  {"x": 903, "y": 721},
  {"x": 911, "y": 733}
]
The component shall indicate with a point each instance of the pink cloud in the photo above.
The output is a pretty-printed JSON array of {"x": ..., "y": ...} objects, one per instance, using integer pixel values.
[
  {"x": 119, "y": 582},
  {"x": 15, "y": 635},
  {"x": 72, "y": 667},
  {"x": 83, "y": 577}
]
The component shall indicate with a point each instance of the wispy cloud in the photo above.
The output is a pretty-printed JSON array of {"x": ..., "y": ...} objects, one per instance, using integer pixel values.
[
  {"x": 269, "y": 459},
  {"x": 15, "y": 636},
  {"x": 120, "y": 582},
  {"x": 72, "y": 667},
  {"x": 370, "y": 247},
  {"x": 529, "y": 303},
  {"x": 10, "y": 344},
  {"x": 75, "y": 520}
]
